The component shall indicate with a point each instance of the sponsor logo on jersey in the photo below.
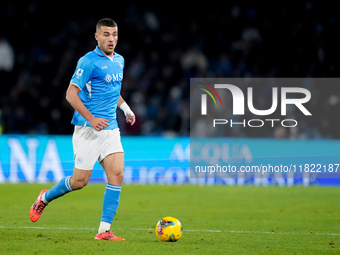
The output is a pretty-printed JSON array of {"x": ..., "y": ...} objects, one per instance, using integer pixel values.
[{"x": 108, "y": 78}]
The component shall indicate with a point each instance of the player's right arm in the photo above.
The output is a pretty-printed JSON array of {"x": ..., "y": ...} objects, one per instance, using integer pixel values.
[
  {"x": 81, "y": 76},
  {"x": 74, "y": 100}
]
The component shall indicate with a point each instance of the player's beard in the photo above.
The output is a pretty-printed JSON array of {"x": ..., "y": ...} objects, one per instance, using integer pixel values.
[{"x": 107, "y": 50}]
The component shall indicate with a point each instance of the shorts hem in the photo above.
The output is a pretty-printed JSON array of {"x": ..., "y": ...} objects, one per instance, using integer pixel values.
[
  {"x": 102, "y": 158},
  {"x": 84, "y": 168}
]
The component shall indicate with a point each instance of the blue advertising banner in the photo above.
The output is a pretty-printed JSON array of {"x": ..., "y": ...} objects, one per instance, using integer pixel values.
[
  {"x": 160, "y": 160},
  {"x": 42, "y": 159}
]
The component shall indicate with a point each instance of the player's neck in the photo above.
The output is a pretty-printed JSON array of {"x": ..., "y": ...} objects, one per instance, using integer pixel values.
[{"x": 110, "y": 56}]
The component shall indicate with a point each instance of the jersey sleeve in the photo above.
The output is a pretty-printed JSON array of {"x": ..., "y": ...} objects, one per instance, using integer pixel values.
[{"x": 83, "y": 73}]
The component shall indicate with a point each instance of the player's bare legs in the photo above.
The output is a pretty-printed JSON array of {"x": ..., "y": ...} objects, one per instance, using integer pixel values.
[
  {"x": 113, "y": 165},
  {"x": 80, "y": 178}
]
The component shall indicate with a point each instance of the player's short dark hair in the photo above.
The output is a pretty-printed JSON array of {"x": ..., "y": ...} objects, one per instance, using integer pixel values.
[{"x": 106, "y": 22}]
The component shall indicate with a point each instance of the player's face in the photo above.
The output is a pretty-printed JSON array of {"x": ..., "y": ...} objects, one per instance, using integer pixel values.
[{"x": 107, "y": 38}]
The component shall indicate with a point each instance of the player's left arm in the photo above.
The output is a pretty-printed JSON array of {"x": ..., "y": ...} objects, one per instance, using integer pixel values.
[{"x": 130, "y": 116}]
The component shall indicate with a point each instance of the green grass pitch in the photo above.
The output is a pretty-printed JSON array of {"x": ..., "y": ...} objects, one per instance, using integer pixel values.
[{"x": 216, "y": 220}]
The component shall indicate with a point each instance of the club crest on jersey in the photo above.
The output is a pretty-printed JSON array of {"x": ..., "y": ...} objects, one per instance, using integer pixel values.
[{"x": 108, "y": 78}]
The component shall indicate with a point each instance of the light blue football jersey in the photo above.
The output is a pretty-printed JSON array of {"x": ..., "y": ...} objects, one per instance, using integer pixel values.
[{"x": 100, "y": 81}]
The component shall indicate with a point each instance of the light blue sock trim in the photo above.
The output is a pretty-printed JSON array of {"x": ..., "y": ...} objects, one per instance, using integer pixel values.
[
  {"x": 61, "y": 188},
  {"x": 68, "y": 183},
  {"x": 113, "y": 187},
  {"x": 110, "y": 202}
]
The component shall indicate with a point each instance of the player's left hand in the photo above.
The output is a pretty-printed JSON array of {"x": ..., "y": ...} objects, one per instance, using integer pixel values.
[{"x": 131, "y": 118}]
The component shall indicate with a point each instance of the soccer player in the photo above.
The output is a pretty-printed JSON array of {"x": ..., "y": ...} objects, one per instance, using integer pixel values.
[{"x": 94, "y": 93}]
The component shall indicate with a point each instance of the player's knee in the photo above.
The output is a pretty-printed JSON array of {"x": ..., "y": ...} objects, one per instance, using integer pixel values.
[
  {"x": 116, "y": 178},
  {"x": 79, "y": 183},
  {"x": 120, "y": 176}
]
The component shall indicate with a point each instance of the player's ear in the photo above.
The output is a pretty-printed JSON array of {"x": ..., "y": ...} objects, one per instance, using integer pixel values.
[{"x": 96, "y": 36}]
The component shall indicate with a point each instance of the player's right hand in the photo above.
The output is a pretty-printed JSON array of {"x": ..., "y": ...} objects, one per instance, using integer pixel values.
[{"x": 99, "y": 123}]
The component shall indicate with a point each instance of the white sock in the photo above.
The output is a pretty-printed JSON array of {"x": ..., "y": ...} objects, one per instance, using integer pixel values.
[
  {"x": 44, "y": 199},
  {"x": 104, "y": 226}
]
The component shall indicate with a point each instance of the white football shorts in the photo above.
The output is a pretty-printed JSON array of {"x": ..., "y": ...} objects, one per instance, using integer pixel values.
[{"x": 90, "y": 145}]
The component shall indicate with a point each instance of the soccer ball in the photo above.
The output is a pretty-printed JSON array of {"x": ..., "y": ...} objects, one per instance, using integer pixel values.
[{"x": 169, "y": 229}]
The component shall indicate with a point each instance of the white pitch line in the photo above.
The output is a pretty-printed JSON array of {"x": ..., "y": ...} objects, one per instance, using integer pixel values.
[
  {"x": 184, "y": 230},
  {"x": 120, "y": 229},
  {"x": 281, "y": 233},
  {"x": 192, "y": 230},
  {"x": 28, "y": 227}
]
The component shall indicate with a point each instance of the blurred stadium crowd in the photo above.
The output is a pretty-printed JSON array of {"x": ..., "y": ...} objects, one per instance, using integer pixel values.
[{"x": 163, "y": 46}]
